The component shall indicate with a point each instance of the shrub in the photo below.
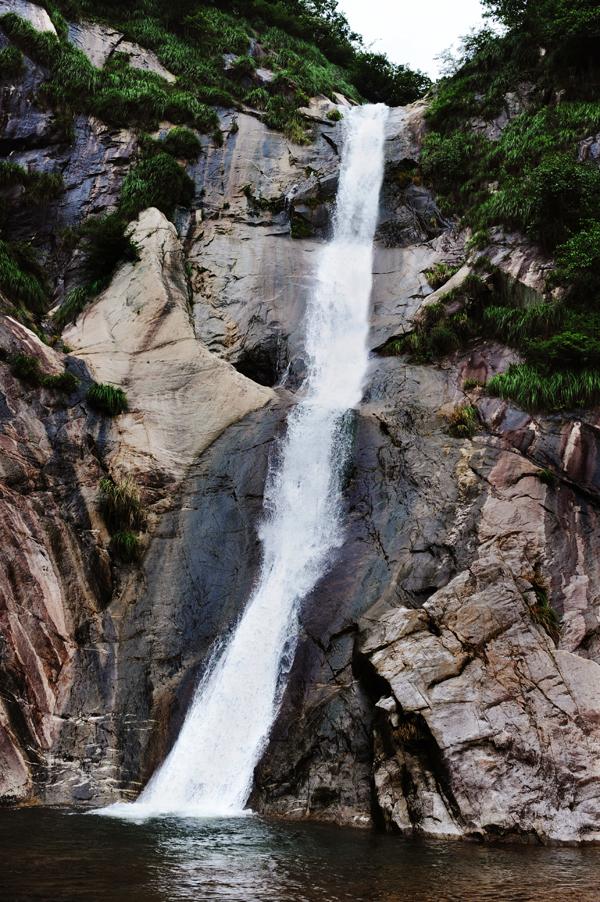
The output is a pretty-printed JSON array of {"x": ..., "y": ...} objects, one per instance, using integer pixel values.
[
  {"x": 43, "y": 187},
  {"x": 514, "y": 325},
  {"x": 449, "y": 161},
  {"x": 106, "y": 244},
  {"x": 158, "y": 181},
  {"x": 26, "y": 368},
  {"x": 566, "y": 349},
  {"x": 300, "y": 227},
  {"x": 125, "y": 546},
  {"x": 242, "y": 67},
  {"x": 443, "y": 340},
  {"x": 64, "y": 382},
  {"x": 107, "y": 399},
  {"x": 118, "y": 93},
  {"x": 382, "y": 81},
  {"x": 181, "y": 142},
  {"x": 19, "y": 277},
  {"x": 463, "y": 421},
  {"x": 550, "y": 201},
  {"x": 578, "y": 262},
  {"x": 471, "y": 383},
  {"x": 40, "y": 187},
  {"x": 257, "y": 98},
  {"x": 121, "y": 505},
  {"x": 11, "y": 62},
  {"x": 334, "y": 115}
]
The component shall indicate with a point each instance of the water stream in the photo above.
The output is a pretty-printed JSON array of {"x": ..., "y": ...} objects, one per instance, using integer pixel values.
[{"x": 210, "y": 768}]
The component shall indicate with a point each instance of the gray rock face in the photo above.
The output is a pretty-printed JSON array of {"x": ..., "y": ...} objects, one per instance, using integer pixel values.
[
  {"x": 99, "y": 42},
  {"x": 250, "y": 281},
  {"x": 432, "y": 691},
  {"x": 55, "y": 574}
]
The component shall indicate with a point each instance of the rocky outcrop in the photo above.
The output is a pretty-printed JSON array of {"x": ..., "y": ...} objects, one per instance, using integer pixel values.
[
  {"x": 250, "y": 282},
  {"x": 99, "y": 42},
  {"x": 54, "y": 571},
  {"x": 448, "y": 670},
  {"x": 139, "y": 336}
]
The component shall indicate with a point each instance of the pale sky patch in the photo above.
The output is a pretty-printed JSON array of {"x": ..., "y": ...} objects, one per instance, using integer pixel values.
[{"x": 413, "y": 31}]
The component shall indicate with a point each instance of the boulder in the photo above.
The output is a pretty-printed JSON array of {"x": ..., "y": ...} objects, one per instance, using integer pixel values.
[{"x": 36, "y": 15}]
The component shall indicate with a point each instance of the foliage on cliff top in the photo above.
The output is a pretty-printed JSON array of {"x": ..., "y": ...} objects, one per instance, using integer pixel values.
[
  {"x": 535, "y": 178},
  {"x": 308, "y": 43}
]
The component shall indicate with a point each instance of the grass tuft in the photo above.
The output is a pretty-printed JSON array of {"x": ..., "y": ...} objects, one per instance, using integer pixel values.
[
  {"x": 439, "y": 274},
  {"x": 107, "y": 399},
  {"x": 463, "y": 421},
  {"x": 125, "y": 546},
  {"x": 121, "y": 504},
  {"x": 533, "y": 389}
]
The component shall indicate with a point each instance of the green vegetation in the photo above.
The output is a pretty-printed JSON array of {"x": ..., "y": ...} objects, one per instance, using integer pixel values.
[
  {"x": 105, "y": 245},
  {"x": 334, "y": 116},
  {"x": 542, "y": 611},
  {"x": 156, "y": 181},
  {"x": 259, "y": 203},
  {"x": 439, "y": 274},
  {"x": 125, "y": 546},
  {"x": 470, "y": 384},
  {"x": 21, "y": 278},
  {"x": 118, "y": 93},
  {"x": 39, "y": 188},
  {"x": 182, "y": 143},
  {"x": 547, "y": 477},
  {"x": 534, "y": 179},
  {"x": 11, "y": 62},
  {"x": 309, "y": 45},
  {"x": 463, "y": 421},
  {"x": 300, "y": 227},
  {"x": 75, "y": 301},
  {"x": 534, "y": 389},
  {"x": 437, "y": 333},
  {"x": 561, "y": 345},
  {"x": 121, "y": 504},
  {"x": 65, "y": 382},
  {"x": 107, "y": 399},
  {"x": 27, "y": 368}
]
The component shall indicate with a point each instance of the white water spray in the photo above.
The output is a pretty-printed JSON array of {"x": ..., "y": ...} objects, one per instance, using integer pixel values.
[{"x": 210, "y": 768}]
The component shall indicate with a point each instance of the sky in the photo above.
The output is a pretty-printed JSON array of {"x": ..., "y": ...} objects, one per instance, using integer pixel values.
[{"x": 412, "y": 31}]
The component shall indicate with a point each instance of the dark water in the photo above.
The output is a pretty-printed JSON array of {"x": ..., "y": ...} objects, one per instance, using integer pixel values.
[{"x": 54, "y": 856}]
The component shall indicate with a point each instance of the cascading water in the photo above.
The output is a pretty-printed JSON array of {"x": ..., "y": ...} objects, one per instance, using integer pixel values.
[{"x": 210, "y": 768}]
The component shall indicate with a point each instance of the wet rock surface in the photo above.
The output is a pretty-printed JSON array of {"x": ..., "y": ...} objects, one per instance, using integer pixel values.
[{"x": 432, "y": 691}]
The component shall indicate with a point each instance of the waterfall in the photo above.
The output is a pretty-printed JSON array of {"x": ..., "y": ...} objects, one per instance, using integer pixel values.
[{"x": 209, "y": 770}]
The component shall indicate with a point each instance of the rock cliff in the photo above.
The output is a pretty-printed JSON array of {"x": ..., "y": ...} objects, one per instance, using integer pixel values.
[{"x": 447, "y": 681}]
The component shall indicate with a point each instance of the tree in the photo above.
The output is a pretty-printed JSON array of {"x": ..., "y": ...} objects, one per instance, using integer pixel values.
[{"x": 380, "y": 81}]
